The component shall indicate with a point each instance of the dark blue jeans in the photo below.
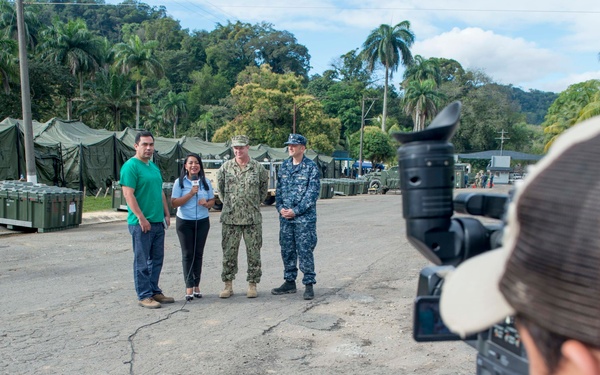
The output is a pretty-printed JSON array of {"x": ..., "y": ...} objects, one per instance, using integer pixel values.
[{"x": 148, "y": 255}]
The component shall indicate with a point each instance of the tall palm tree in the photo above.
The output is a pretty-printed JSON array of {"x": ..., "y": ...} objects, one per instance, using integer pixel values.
[
  {"x": 9, "y": 66},
  {"x": 155, "y": 121},
  {"x": 111, "y": 95},
  {"x": 8, "y": 23},
  {"x": 423, "y": 69},
  {"x": 421, "y": 101},
  {"x": 389, "y": 46},
  {"x": 174, "y": 106},
  {"x": 74, "y": 46},
  {"x": 138, "y": 58}
]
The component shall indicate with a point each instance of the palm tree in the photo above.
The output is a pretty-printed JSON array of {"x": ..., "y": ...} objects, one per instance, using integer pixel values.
[
  {"x": 138, "y": 58},
  {"x": 111, "y": 95},
  {"x": 9, "y": 67},
  {"x": 389, "y": 46},
  {"x": 155, "y": 121},
  {"x": 421, "y": 101},
  {"x": 174, "y": 106},
  {"x": 423, "y": 69},
  {"x": 74, "y": 46},
  {"x": 8, "y": 23}
]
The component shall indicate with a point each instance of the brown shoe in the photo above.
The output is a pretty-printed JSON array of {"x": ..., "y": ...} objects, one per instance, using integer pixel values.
[
  {"x": 149, "y": 303},
  {"x": 163, "y": 299},
  {"x": 252, "y": 293}
]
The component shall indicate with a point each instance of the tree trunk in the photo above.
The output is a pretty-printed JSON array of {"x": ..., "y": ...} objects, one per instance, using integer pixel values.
[
  {"x": 138, "y": 88},
  {"x": 385, "y": 88}
]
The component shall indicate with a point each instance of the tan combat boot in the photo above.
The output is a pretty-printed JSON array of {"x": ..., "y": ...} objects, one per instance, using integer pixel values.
[
  {"x": 228, "y": 291},
  {"x": 252, "y": 293}
]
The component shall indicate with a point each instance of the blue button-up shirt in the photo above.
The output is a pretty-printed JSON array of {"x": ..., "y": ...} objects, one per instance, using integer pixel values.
[{"x": 191, "y": 210}]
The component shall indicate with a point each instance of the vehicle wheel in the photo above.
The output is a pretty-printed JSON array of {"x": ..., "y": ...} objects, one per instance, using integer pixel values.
[
  {"x": 269, "y": 201},
  {"x": 218, "y": 206},
  {"x": 375, "y": 184}
]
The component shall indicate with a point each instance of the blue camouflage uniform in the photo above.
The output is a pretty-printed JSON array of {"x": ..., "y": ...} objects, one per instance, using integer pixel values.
[{"x": 298, "y": 188}]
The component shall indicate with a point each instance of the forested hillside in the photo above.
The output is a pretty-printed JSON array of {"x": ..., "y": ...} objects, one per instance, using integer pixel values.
[{"x": 131, "y": 65}]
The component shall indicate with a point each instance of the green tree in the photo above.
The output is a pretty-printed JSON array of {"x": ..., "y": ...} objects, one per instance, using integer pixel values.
[
  {"x": 421, "y": 101},
  {"x": 109, "y": 99},
  {"x": 174, "y": 107},
  {"x": 155, "y": 121},
  {"x": 423, "y": 69},
  {"x": 377, "y": 145},
  {"x": 74, "y": 46},
  {"x": 389, "y": 46},
  {"x": 9, "y": 66},
  {"x": 567, "y": 108},
  {"x": 264, "y": 103},
  {"x": 8, "y": 23},
  {"x": 137, "y": 58}
]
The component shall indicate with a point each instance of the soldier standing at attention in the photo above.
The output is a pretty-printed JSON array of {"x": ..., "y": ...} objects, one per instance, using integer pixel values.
[
  {"x": 243, "y": 184},
  {"x": 298, "y": 189}
]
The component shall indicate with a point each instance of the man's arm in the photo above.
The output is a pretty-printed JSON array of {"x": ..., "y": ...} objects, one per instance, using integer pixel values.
[{"x": 128, "y": 193}]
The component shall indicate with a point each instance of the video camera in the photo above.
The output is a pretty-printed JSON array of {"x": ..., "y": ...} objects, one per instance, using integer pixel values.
[{"x": 426, "y": 164}]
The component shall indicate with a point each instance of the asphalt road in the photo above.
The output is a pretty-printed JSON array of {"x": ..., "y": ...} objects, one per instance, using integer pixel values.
[{"x": 69, "y": 306}]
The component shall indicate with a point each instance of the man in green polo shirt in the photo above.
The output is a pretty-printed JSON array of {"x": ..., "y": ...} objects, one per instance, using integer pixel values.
[{"x": 148, "y": 215}]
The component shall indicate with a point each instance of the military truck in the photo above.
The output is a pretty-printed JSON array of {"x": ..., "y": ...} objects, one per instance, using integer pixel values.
[
  {"x": 211, "y": 166},
  {"x": 383, "y": 181}
]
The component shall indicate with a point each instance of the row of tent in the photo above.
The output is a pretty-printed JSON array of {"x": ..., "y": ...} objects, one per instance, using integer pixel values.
[{"x": 73, "y": 155}]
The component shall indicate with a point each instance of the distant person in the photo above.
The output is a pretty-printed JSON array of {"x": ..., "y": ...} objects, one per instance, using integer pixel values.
[
  {"x": 147, "y": 218},
  {"x": 193, "y": 196},
  {"x": 484, "y": 179},
  {"x": 547, "y": 274},
  {"x": 466, "y": 180},
  {"x": 491, "y": 180},
  {"x": 298, "y": 188},
  {"x": 243, "y": 186}
]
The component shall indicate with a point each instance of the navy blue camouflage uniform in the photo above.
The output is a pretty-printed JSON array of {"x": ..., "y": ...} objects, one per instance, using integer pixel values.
[{"x": 298, "y": 188}]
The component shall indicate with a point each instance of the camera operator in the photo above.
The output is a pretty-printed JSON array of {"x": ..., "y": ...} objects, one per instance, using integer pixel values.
[{"x": 547, "y": 274}]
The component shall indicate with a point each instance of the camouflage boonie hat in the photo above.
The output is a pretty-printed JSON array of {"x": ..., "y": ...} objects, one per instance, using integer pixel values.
[
  {"x": 240, "y": 140},
  {"x": 296, "y": 139}
]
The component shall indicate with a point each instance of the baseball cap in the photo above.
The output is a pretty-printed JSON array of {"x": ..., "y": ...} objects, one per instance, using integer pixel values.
[
  {"x": 240, "y": 140},
  {"x": 548, "y": 269},
  {"x": 296, "y": 139}
]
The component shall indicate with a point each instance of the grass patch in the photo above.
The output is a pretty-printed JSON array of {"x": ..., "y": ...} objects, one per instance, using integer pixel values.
[{"x": 91, "y": 203}]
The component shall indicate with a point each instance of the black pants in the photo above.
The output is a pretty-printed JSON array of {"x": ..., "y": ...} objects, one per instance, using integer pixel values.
[{"x": 192, "y": 238}]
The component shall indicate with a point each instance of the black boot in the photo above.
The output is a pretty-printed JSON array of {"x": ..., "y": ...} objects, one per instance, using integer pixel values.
[
  {"x": 308, "y": 292},
  {"x": 285, "y": 288}
]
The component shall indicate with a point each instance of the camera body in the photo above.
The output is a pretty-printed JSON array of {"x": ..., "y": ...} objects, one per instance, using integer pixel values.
[{"x": 426, "y": 164}]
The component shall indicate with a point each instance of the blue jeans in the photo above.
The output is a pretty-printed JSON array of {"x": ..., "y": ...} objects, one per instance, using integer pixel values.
[{"x": 148, "y": 255}]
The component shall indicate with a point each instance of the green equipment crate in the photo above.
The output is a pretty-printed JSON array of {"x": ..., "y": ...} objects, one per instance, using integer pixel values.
[
  {"x": 168, "y": 189},
  {"x": 118, "y": 199},
  {"x": 39, "y": 206}
]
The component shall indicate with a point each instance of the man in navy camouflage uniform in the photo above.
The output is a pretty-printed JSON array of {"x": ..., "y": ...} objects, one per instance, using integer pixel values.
[{"x": 298, "y": 189}]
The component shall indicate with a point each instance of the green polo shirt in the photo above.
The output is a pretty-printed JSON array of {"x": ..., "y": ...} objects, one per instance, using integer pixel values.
[{"x": 146, "y": 181}]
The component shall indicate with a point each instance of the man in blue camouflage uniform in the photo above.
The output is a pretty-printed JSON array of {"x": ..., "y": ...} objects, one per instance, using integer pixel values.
[{"x": 298, "y": 188}]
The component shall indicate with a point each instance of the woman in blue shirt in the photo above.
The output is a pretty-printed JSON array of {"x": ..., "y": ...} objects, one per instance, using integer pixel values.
[{"x": 193, "y": 196}]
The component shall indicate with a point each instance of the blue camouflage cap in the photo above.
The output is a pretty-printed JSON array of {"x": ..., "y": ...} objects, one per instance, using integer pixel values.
[{"x": 296, "y": 139}]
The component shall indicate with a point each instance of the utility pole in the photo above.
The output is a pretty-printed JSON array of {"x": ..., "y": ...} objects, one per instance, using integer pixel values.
[
  {"x": 296, "y": 108},
  {"x": 502, "y": 138},
  {"x": 25, "y": 96},
  {"x": 362, "y": 130}
]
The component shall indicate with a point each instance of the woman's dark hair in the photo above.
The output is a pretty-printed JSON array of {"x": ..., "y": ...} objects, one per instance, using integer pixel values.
[
  {"x": 200, "y": 175},
  {"x": 548, "y": 343}
]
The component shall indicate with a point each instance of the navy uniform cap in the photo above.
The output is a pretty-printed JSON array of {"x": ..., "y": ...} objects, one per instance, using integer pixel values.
[{"x": 296, "y": 139}]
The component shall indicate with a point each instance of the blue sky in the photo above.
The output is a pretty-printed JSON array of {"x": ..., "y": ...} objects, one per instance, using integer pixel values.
[{"x": 544, "y": 45}]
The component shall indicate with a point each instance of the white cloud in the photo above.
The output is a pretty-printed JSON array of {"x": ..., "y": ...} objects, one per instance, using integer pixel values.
[{"x": 506, "y": 60}]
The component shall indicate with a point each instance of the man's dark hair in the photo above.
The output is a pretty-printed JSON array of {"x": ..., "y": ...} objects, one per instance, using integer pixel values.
[
  {"x": 143, "y": 133},
  {"x": 548, "y": 343}
]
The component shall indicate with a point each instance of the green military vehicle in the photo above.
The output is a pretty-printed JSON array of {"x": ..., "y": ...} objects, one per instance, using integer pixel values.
[{"x": 384, "y": 180}]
